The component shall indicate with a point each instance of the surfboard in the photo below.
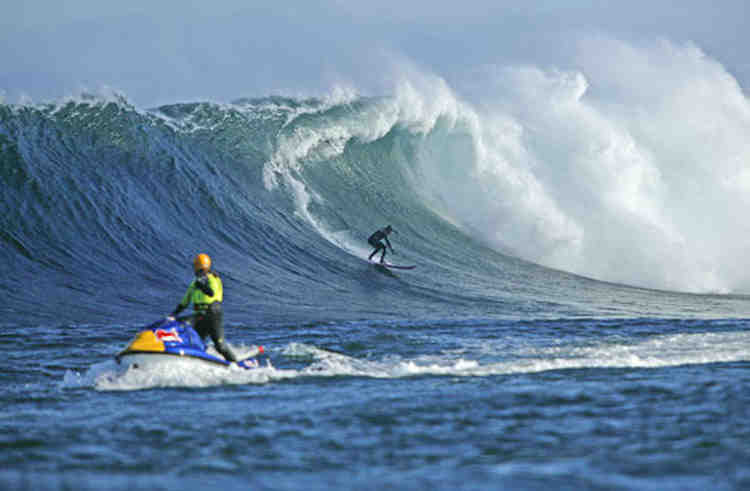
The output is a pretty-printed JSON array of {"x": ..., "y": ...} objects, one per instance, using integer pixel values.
[{"x": 388, "y": 265}]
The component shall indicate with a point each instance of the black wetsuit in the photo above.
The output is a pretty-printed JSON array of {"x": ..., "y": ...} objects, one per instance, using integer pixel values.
[
  {"x": 375, "y": 241},
  {"x": 209, "y": 317},
  {"x": 210, "y": 322}
]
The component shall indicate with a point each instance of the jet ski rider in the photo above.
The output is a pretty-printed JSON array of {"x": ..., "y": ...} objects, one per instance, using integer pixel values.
[{"x": 206, "y": 293}]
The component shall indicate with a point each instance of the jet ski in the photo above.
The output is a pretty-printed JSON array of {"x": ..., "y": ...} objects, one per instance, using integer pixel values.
[{"x": 169, "y": 339}]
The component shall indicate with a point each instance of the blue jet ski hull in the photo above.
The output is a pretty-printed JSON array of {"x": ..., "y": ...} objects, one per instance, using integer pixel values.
[{"x": 169, "y": 338}]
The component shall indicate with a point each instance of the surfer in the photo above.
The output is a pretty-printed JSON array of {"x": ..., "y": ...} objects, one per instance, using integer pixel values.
[
  {"x": 376, "y": 239},
  {"x": 206, "y": 293}
]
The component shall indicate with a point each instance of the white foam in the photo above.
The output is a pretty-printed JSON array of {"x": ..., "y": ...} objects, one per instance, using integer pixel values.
[
  {"x": 628, "y": 170},
  {"x": 655, "y": 352},
  {"x": 474, "y": 360}
]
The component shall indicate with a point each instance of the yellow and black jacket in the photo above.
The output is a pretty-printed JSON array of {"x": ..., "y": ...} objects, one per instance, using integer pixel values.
[{"x": 203, "y": 292}]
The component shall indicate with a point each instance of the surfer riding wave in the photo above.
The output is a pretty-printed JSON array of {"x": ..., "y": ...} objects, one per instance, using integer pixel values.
[{"x": 376, "y": 241}]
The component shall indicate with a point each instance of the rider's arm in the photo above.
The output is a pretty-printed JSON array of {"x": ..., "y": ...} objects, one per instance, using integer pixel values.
[
  {"x": 204, "y": 285},
  {"x": 185, "y": 300}
]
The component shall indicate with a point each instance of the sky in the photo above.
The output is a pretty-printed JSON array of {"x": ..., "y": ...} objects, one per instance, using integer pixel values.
[{"x": 167, "y": 51}]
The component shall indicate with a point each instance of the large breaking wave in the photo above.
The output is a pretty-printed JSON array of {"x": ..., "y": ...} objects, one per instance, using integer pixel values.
[{"x": 632, "y": 169}]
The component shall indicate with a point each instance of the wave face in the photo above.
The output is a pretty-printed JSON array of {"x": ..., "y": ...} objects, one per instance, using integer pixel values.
[{"x": 105, "y": 204}]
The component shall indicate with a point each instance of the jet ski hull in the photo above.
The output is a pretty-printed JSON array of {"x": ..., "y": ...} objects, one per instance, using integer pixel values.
[
  {"x": 154, "y": 360},
  {"x": 175, "y": 341}
]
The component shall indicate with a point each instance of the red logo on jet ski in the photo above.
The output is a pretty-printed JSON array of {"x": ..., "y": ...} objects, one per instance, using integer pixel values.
[{"x": 168, "y": 335}]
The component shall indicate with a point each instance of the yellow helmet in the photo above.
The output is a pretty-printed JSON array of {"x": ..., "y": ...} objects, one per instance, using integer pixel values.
[{"x": 202, "y": 261}]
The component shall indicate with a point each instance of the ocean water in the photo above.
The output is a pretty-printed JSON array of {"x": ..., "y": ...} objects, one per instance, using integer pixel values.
[{"x": 561, "y": 329}]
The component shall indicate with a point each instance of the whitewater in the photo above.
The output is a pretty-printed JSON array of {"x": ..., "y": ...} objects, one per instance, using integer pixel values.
[
  {"x": 632, "y": 182},
  {"x": 577, "y": 317}
]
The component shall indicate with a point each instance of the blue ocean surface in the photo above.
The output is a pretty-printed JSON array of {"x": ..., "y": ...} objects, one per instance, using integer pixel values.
[{"x": 491, "y": 365}]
